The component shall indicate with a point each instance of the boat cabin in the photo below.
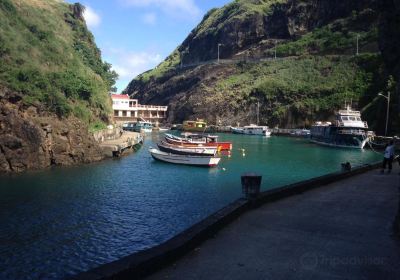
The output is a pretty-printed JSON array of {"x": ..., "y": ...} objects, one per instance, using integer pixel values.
[
  {"x": 198, "y": 125},
  {"x": 350, "y": 118}
]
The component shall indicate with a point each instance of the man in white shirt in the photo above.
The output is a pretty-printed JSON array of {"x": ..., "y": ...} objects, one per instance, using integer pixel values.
[{"x": 388, "y": 156}]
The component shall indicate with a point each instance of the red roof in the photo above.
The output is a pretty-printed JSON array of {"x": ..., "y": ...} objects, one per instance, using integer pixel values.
[{"x": 119, "y": 96}]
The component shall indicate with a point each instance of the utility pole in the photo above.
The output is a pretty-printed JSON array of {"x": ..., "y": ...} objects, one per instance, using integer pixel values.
[
  {"x": 219, "y": 45},
  {"x": 258, "y": 112},
  {"x": 358, "y": 38},
  {"x": 275, "y": 50},
  {"x": 387, "y": 110}
]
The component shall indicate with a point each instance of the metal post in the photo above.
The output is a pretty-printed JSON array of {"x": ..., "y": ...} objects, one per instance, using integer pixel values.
[
  {"x": 258, "y": 112},
  {"x": 358, "y": 37},
  {"x": 387, "y": 112},
  {"x": 275, "y": 50},
  {"x": 218, "y": 51},
  {"x": 251, "y": 183}
]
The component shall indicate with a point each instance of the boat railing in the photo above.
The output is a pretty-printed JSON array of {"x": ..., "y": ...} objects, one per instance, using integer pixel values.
[
  {"x": 351, "y": 131},
  {"x": 341, "y": 124}
]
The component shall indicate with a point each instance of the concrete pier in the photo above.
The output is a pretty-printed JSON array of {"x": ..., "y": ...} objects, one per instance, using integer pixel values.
[
  {"x": 126, "y": 141},
  {"x": 343, "y": 230}
]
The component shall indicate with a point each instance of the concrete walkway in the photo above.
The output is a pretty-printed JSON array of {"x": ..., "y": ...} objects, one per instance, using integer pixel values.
[
  {"x": 117, "y": 146},
  {"x": 339, "y": 231}
]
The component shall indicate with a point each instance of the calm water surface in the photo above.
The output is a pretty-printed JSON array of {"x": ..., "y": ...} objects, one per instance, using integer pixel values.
[{"x": 58, "y": 222}]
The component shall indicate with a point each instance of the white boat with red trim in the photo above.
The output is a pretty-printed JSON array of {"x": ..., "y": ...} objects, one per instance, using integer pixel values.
[{"x": 209, "y": 161}]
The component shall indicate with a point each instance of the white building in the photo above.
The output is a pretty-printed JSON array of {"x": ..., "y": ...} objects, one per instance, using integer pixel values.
[{"x": 128, "y": 110}]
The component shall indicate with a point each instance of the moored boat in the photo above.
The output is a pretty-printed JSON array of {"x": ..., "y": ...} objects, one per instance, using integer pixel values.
[
  {"x": 198, "y": 139},
  {"x": 348, "y": 131},
  {"x": 209, "y": 161},
  {"x": 139, "y": 126},
  {"x": 198, "y": 125},
  {"x": 187, "y": 150},
  {"x": 252, "y": 129}
]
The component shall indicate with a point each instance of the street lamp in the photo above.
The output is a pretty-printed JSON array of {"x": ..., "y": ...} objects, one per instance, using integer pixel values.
[
  {"x": 219, "y": 45},
  {"x": 387, "y": 109},
  {"x": 181, "y": 53},
  {"x": 358, "y": 38}
]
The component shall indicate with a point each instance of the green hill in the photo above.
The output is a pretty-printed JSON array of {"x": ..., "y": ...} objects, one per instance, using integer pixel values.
[
  {"x": 53, "y": 86},
  {"x": 49, "y": 56},
  {"x": 315, "y": 73}
]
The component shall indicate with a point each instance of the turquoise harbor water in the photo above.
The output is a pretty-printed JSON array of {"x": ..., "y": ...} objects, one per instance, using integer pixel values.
[{"x": 62, "y": 221}]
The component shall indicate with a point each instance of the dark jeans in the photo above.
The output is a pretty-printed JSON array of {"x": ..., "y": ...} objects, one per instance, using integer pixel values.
[{"x": 388, "y": 161}]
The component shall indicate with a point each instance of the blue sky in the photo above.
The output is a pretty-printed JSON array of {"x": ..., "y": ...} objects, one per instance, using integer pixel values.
[{"x": 136, "y": 35}]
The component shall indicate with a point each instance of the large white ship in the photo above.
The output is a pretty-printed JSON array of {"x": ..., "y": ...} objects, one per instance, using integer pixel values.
[{"x": 348, "y": 131}]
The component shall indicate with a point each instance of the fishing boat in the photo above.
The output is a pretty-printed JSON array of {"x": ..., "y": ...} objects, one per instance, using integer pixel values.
[
  {"x": 187, "y": 150},
  {"x": 198, "y": 125},
  {"x": 301, "y": 133},
  {"x": 198, "y": 139},
  {"x": 252, "y": 129},
  {"x": 348, "y": 131},
  {"x": 209, "y": 161},
  {"x": 144, "y": 126}
]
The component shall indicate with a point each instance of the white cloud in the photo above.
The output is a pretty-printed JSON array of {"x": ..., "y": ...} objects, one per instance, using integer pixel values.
[
  {"x": 130, "y": 64},
  {"x": 149, "y": 18},
  {"x": 91, "y": 17},
  {"x": 186, "y": 9}
]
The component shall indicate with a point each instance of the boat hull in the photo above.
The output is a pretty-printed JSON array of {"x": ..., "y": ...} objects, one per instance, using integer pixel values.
[
  {"x": 222, "y": 146},
  {"x": 208, "y": 161},
  {"x": 360, "y": 146},
  {"x": 182, "y": 150},
  {"x": 237, "y": 130}
]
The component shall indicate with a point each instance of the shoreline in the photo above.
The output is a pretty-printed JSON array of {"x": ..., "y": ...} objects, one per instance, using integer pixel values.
[{"x": 146, "y": 262}]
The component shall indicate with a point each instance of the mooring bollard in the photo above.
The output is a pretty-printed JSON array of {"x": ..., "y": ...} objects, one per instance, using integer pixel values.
[
  {"x": 346, "y": 167},
  {"x": 251, "y": 183}
]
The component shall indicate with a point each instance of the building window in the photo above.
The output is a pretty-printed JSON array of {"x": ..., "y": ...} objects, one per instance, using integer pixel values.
[
  {"x": 124, "y": 113},
  {"x": 115, "y": 113}
]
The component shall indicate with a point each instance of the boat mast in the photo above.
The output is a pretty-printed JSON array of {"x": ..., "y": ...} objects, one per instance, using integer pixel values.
[{"x": 258, "y": 112}]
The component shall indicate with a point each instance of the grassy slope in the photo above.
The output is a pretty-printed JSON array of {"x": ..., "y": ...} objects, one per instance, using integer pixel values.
[
  {"x": 317, "y": 72},
  {"x": 50, "y": 57},
  {"x": 214, "y": 20}
]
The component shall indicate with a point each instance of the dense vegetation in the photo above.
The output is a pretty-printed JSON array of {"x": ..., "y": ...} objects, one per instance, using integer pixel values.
[
  {"x": 316, "y": 73},
  {"x": 48, "y": 55}
]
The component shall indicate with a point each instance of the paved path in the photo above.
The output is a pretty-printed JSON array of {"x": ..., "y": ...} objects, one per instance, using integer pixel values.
[{"x": 340, "y": 231}]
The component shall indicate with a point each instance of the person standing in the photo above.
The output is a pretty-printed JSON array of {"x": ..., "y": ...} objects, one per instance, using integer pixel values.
[{"x": 388, "y": 156}]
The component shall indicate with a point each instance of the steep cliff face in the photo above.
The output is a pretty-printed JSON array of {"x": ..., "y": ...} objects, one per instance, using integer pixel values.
[
  {"x": 315, "y": 73},
  {"x": 53, "y": 86},
  {"x": 304, "y": 16},
  {"x": 242, "y": 24},
  {"x": 32, "y": 138}
]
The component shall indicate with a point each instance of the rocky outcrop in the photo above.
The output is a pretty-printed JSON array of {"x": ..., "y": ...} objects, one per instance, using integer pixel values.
[
  {"x": 32, "y": 139},
  {"x": 305, "y": 15},
  {"x": 237, "y": 30}
]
